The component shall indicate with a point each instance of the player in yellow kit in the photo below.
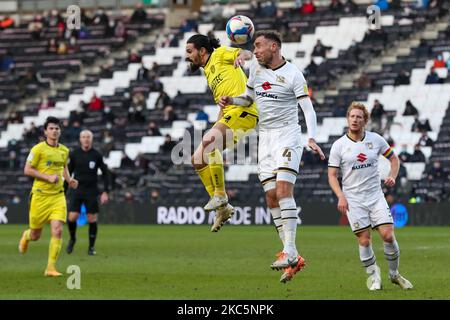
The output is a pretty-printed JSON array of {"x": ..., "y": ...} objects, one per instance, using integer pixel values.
[
  {"x": 222, "y": 66},
  {"x": 47, "y": 164}
]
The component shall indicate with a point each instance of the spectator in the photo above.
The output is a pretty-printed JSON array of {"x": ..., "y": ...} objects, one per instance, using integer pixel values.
[
  {"x": 52, "y": 46},
  {"x": 153, "y": 129},
  {"x": 308, "y": 7},
  {"x": 410, "y": 110},
  {"x": 350, "y": 6},
  {"x": 96, "y": 103},
  {"x": 439, "y": 62},
  {"x": 134, "y": 57},
  {"x": 45, "y": 103},
  {"x": 364, "y": 82},
  {"x": 202, "y": 115},
  {"x": 135, "y": 111},
  {"x": 142, "y": 73},
  {"x": 311, "y": 68},
  {"x": 32, "y": 133},
  {"x": 108, "y": 116},
  {"x": 293, "y": 35},
  {"x": 420, "y": 125},
  {"x": 139, "y": 14},
  {"x": 73, "y": 45},
  {"x": 376, "y": 115},
  {"x": 6, "y": 22},
  {"x": 436, "y": 172},
  {"x": 100, "y": 18},
  {"x": 336, "y": 6},
  {"x": 15, "y": 117},
  {"x": 169, "y": 116},
  {"x": 126, "y": 162},
  {"x": 425, "y": 140},
  {"x": 404, "y": 155},
  {"x": 142, "y": 162},
  {"x": 433, "y": 77},
  {"x": 320, "y": 50},
  {"x": 154, "y": 196},
  {"x": 168, "y": 144},
  {"x": 163, "y": 100},
  {"x": 73, "y": 131},
  {"x": 62, "y": 48},
  {"x": 269, "y": 9},
  {"x": 108, "y": 142},
  {"x": 6, "y": 62},
  {"x": 119, "y": 30},
  {"x": 128, "y": 197},
  {"x": 418, "y": 155},
  {"x": 402, "y": 78},
  {"x": 35, "y": 27}
]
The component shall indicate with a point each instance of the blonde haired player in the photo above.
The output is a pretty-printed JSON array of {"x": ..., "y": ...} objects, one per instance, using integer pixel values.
[
  {"x": 47, "y": 164},
  {"x": 361, "y": 198},
  {"x": 225, "y": 77}
]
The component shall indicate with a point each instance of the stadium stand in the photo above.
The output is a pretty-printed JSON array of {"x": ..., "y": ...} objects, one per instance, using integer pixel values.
[{"x": 158, "y": 89}]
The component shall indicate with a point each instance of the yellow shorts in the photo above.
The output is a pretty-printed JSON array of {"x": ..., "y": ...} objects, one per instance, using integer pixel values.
[
  {"x": 240, "y": 121},
  {"x": 44, "y": 208}
]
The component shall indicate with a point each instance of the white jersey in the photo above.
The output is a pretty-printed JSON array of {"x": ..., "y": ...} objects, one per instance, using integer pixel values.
[
  {"x": 276, "y": 92},
  {"x": 358, "y": 161}
]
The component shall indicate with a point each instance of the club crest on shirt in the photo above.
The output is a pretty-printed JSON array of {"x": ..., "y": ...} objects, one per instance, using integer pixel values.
[
  {"x": 91, "y": 164},
  {"x": 213, "y": 69},
  {"x": 369, "y": 145},
  {"x": 281, "y": 79},
  {"x": 356, "y": 225}
]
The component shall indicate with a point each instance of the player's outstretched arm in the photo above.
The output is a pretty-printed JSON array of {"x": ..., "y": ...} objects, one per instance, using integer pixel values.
[
  {"x": 334, "y": 184},
  {"x": 311, "y": 123},
  {"x": 244, "y": 55}
]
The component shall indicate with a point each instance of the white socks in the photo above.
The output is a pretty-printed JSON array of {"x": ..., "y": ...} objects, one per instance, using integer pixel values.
[
  {"x": 289, "y": 213},
  {"x": 392, "y": 254},
  {"x": 276, "y": 216},
  {"x": 368, "y": 259}
]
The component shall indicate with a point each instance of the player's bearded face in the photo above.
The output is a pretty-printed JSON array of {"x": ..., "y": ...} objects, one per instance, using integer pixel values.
[{"x": 193, "y": 56}]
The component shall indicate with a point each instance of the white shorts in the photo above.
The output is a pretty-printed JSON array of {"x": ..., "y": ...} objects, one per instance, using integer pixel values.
[
  {"x": 363, "y": 214},
  {"x": 279, "y": 155}
]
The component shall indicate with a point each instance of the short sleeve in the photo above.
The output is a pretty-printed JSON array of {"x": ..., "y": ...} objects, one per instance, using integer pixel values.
[
  {"x": 34, "y": 156},
  {"x": 300, "y": 87},
  {"x": 384, "y": 148},
  {"x": 334, "y": 160},
  {"x": 229, "y": 55}
]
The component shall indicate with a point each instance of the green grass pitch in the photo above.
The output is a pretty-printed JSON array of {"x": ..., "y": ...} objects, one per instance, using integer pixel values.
[{"x": 190, "y": 262}]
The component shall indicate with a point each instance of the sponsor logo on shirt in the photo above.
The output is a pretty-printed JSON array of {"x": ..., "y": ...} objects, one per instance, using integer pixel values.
[
  {"x": 361, "y": 157},
  {"x": 218, "y": 79},
  {"x": 266, "y": 95},
  {"x": 266, "y": 85}
]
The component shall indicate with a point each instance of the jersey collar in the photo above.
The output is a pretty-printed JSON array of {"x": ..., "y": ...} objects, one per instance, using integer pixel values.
[
  {"x": 362, "y": 139},
  {"x": 280, "y": 66},
  {"x": 57, "y": 145}
]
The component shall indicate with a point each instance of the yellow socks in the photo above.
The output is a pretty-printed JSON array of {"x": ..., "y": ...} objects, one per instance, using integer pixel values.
[
  {"x": 53, "y": 252},
  {"x": 215, "y": 161},
  {"x": 205, "y": 177}
]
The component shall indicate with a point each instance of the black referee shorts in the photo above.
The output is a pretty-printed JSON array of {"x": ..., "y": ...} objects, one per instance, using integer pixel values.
[{"x": 89, "y": 201}]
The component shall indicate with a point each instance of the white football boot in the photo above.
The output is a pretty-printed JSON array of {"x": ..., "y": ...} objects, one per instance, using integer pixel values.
[{"x": 401, "y": 282}]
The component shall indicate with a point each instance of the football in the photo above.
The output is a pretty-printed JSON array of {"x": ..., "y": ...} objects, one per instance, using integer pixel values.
[{"x": 240, "y": 29}]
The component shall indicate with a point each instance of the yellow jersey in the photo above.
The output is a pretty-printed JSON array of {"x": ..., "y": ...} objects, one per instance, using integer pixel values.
[
  {"x": 224, "y": 79},
  {"x": 48, "y": 160}
]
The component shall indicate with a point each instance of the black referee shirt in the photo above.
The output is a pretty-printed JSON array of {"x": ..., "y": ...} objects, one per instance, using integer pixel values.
[{"x": 84, "y": 165}]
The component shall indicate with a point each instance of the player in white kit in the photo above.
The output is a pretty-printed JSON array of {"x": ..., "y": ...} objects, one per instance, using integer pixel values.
[
  {"x": 278, "y": 87},
  {"x": 361, "y": 198}
]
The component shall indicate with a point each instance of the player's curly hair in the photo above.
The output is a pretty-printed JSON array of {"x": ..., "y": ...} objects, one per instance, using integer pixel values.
[
  {"x": 201, "y": 41},
  {"x": 360, "y": 106}
]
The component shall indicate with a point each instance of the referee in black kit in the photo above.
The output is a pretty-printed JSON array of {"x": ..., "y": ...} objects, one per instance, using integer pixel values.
[{"x": 84, "y": 164}]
